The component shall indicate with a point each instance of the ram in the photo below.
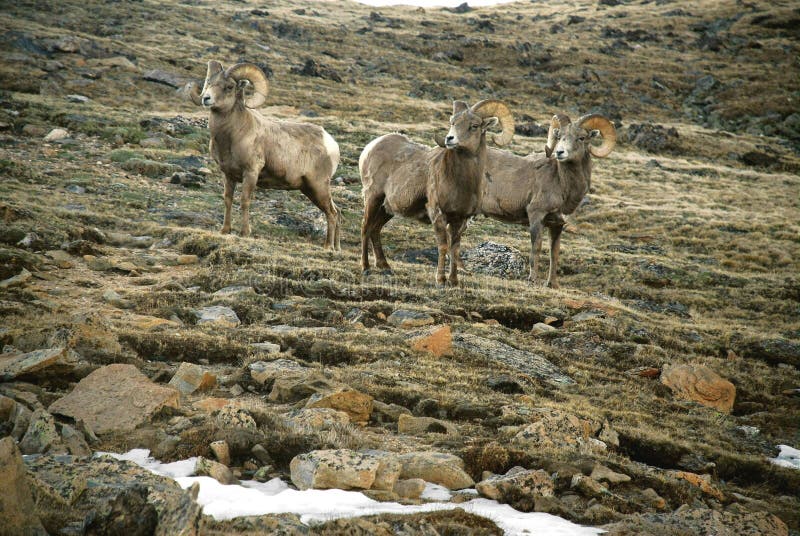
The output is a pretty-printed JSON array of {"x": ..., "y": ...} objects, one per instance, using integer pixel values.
[
  {"x": 261, "y": 152},
  {"x": 538, "y": 192},
  {"x": 441, "y": 185}
]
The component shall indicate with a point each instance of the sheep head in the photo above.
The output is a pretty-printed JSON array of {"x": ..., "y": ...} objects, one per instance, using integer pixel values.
[
  {"x": 571, "y": 141},
  {"x": 469, "y": 124},
  {"x": 224, "y": 88}
]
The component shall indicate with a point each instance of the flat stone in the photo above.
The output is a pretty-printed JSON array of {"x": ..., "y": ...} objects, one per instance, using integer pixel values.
[
  {"x": 115, "y": 398},
  {"x": 219, "y": 472},
  {"x": 81, "y": 99},
  {"x": 235, "y": 290},
  {"x": 188, "y": 259},
  {"x": 437, "y": 340},
  {"x": 703, "y": 482},
  {"x": 16, "y": 281},
  {"x": 409, "y": 319},
  {"x": 334, "y": 469},
  {"x": 410, "y": 488},
  {"x": 166, "y": 78},
  {"x": 191, "y": 377},
  {"x": 700, "y": 384},
  {"x": 217, "y": 314},
  {"x": 264, "y": 371},
  {"x": 588, "y": 486},
  {"x": 559, "y": 430},
  {"x": 16, "y": 501},
  {"x": 316, "y": 418},
  {"x": 408, "y": 424},
  {"x": 382, "y": 412},
  {"x": 516, "y": 484},
  {"x": 437, "y": 467},
  {"x": 20, "y": 364},
  {"x": 74, "y": 441},
  {"x": 57, "y": 134},
  {"x": 541, "y": 327},
  {"x": 293, "y": 388},
  {"x": 266, "y": 347},
  {"x": 356, "y": 404},
  {"x": 601, "y": 473}
]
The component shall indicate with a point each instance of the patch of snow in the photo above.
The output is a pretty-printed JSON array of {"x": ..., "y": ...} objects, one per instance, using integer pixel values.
[
  {"x": 787, "y": 457},
  {"x": 313, "y": 506}
]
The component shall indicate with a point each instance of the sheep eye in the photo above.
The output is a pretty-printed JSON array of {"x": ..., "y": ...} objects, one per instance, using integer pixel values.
[
  {"x": 473, "y": 127},
  {"x": 582, "y": 138}
]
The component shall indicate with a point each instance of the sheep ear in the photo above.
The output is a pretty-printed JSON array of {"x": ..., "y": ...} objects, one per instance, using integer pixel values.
[
  {"x": 548, "y": 151},
  {"x": 488, "y": 123},
  {"x": 594, "y": 133},
  {"x": 459, "y": 106},
  {"x": 214, "y": 67}
]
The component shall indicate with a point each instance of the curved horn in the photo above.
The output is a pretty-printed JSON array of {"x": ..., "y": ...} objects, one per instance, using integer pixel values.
[
  {"x": 439, "y": 139},
  {"x": 607, "y": 130},
  {"x": 558, "y": 121},
  {"x": 498, "y": 109},
  {"x": 255, "y": 76},
  {"x": 192, "y": 90}
]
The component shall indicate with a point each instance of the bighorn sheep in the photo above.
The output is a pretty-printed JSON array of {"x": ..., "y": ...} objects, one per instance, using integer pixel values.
[
  {"x": 537, "y": 191},
  {"x": 442, "y": 184},
  {"x": 258, "y": 151}
]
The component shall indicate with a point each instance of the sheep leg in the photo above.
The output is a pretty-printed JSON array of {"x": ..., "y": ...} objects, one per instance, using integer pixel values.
[
  {"x": 442, "y": 240},
  {"x": 227, "y": 196},
  {"x": 248, "y": 187},
  {"x": 454, "y": 230},
  {"x": 555, "y": 248},
  {"x": 382, "y": 217},
  {"x": 536, "y": 243},
  {"x": 321, "y": 197},
  {"x": 371, "y": 205}
]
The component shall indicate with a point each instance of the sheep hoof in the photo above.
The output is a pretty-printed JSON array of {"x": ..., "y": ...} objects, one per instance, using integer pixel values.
[
  {"x": 225, "y": 230},
  {"x": 387, "y": 272},
  {"x": 552, "y": 284}
]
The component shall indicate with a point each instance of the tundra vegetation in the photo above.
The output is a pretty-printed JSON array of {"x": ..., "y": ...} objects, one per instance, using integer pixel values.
[{"x": 684, "y": 252}]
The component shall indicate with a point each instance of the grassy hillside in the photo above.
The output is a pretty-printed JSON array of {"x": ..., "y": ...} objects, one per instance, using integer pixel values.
[{"x": 686, "y": 250}]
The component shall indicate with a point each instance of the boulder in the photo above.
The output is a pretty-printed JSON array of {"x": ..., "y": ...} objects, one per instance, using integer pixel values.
[
  {"x": 16, "y": 502},
  {"x": 316, "y": 418},
  {"x": 601, "y": 472},
  {"x": 74, "y": 441},
  {"x": 217, "y": 471},
  {"x": 41, "y": 436},
  {"x": 518, "y": 487},
  {"x": 388, "y": 469},
  {"x": 408, "y": 424},
  {"x": 265, "y": 371},
  {"x": 222, "y": 452},
  {"x": 410, "y": 488},
  {"x": 191, "y": 377},
  {"x": 694, "y": 520},
  {"x": 57, "y": 134},
  {"x": 232, "y": 417},
  {"x": 356, "y": 404},
  {"x": 115, "y": 398},
  {"x": 437, "y": 467},
  {"x": 382, "y": 412},
  {"x": 15, "y": 365},
  {"x": 556, "y": 429},
  {"x": 402, "y": 318},
  {"x": 218, "y": 315},
  {"x": 700, "y": 384},
  {"x": 588, "y": 486},
  {"x": 437, "y": 340},
  {"x": 702, "y": 482},
  {"x": 339, "y": 469},
  {"x": 294, "y": 387}
]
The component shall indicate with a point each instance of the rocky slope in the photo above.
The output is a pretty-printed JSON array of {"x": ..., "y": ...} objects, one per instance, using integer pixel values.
[{"x": 646, "y": 396}]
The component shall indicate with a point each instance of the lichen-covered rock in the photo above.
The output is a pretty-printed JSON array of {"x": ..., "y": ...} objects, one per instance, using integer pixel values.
[
  {"x": 408, "y": 424},
  {"x": 437, "y": 467},
  {"x": 265, "y": 371},
  {"x": 41, "y": 436},
  {"x": 437, "y": 340},
  {"x": 329, "y": 469},
  {"x": 356, "y": 404},
  {"x": 688, "y": 520},
  {"x": 556, "y": 429},
  {"x": 115, "y": 398},
  {"x": 191, "y": 377},
  {"x": 16, "y": 503},
  {"x": 218, "y": 315},
  {"x": 491, "y": 258},
  {"x": 700, "y": 384},
  {"x": 15, "y": 365},
  {"x": 316, "y": 418},
  {"x": 518, "y": 487},
  {"x": 403, "y": 318},
  {"x": 216, "y": 470},
  {"x": 410, "y": 488}
]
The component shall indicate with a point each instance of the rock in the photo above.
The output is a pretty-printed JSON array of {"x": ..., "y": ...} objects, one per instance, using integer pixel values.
[
  {"x": 773, "y": 351},
  {"x": 700, "y": 384},
  {"x": 316, "y": 418},
  {"x": 608, "y": 435},
  {"x": 15, "y": 365},
  {"x": 556, "y": 429},
  {"x": 498, "y": 353},
  {"x": 293, "y": 388},
  {"x": 231, "y": 418},
  {"x": 588, "y": 487},
  {"x": 115, "y": 398},
  {"x": 266, "y": 347},
  {"x": 520, "y": 488},
  {"x": 265, "y": 371},
  {"x": 16, "y": 502},
  {"x": 183, "y": 260},
  {"x": 216, "y": 470},
  {"x": 190, "y": 378},
  {"x": 329, "y": 469},
  {"x": 437, "y": 341},
  {"x": 153, "y": 169},
  {"x": 410, "y": 488},
  {"x": 41, "y": 436},
  {"x": 703, "y": 482},
  {"x": 114, "y": 61},
  {"x": 388, "y": 469},
  {"x": 541, "y": 327},
  {"x": 653, "y": 138},
  {"x": 504, "y": 384},
  {"x": 101, "y": 488},
  {"x": 166, "y": 78},
  {"x": 61, "y": 258},
  {"x": 74, "y": 441},
  {"x": 126, "y": 513},
  {"x": 357, "y": 405},
  {"x": 499, "y": 260},
  {"x": 314, "y": 68},
  {"x": 644, "y": 372},
  {"x": 81, "y": 99},
  {"x": 237, "y": 290},
  {"x": 57, "y": 134},
  {"x": 408, "y": 424},
  {"x": 113, "y": 298},
  {"x": 382, "y": 412},
  {"x": 437, "y": 467},
  {"x": 16, "y": 281},
  {"x": 694, "y": 520},
  {"x": 601, "y": 472},
  {"x": 218, "y": 315},
  {"x": 653, "y": 499},
  {"x": 409, "y": 319}
]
